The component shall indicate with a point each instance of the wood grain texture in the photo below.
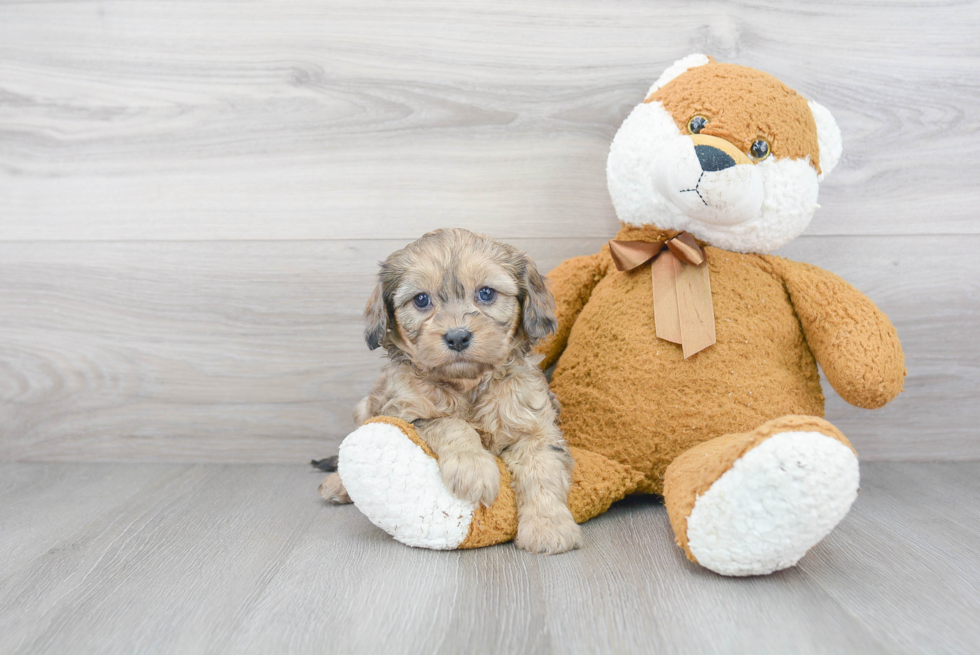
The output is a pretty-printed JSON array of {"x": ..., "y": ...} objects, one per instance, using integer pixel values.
[
  {"x": 193, "y": 195},
  {"x": 932, "y": 511},
  {"x": 246, "y": 559},
  {"x": 252, "y": 351},
  {"x": 342, "y": 119},
  {"x": 68, "y": 498},
  {"x": 219, "y": 351}
]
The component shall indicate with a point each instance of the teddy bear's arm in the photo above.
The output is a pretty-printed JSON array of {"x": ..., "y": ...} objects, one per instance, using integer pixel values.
[
  {"x": 852, "y": 339},
  {"x": 572, "y": 283}
]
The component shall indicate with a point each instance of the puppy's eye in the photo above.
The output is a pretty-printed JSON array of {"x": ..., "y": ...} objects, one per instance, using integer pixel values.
[
  {"x": 759, "y": 150},
  {"x": 486, "y": 294},
  {"x": 421, "y": 301},
  {"x": 696, "y": 124}
]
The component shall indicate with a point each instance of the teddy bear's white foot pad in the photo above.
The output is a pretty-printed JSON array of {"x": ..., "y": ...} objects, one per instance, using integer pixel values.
[
  {"x": 775, "y": 503},
  {"x": 398, "y": 487}
]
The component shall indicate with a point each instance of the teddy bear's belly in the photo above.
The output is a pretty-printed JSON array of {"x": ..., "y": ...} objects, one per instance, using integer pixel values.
[{"x": 632, "y": 397}]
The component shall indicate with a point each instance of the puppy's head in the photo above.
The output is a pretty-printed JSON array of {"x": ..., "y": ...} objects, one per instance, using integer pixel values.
[{"x": 458, "y": 304}]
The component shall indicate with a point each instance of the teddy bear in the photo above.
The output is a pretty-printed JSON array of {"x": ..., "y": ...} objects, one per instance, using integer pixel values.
[{"x": 685, "y": 358}]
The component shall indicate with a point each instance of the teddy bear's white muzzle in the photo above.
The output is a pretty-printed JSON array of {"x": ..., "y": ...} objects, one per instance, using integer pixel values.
[{"x": 704, "y": 186}]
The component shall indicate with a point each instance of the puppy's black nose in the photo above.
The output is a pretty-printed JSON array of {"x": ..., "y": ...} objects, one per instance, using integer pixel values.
[
  {"x": 458, "y": 339},
  {"x": 712, "y": 159}
]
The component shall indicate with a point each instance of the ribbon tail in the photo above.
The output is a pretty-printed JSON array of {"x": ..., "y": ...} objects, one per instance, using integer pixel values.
[
  {"x": 666, "y": 314},
  {"x": 682, "y": 309},
  {"x": 696, "y": 311}
]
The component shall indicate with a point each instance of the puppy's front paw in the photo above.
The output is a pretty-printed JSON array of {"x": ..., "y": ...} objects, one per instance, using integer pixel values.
[
  {"x": 332, "y": 490},
  {"x": 549, "y": 535},
  {"x": 471, "y": 475}
]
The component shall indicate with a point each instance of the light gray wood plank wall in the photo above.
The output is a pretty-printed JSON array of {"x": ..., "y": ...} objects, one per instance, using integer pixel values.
[
  {"x": 230, "y": 120},
  {"x": 193, "y": 195},
  {"x": 252, "y": 351}
]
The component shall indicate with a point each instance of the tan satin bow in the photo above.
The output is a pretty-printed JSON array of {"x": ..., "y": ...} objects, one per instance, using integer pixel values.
[{"x": 682, "y": 308}]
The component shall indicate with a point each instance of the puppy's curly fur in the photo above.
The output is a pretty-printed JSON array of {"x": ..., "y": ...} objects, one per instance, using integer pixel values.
[{"x": 459, "y": 314}]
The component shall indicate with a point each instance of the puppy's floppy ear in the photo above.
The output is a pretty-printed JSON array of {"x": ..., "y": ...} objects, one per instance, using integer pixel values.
[
  {"x": 537, "y": 304},
  {"x": 376, "y": 317}
]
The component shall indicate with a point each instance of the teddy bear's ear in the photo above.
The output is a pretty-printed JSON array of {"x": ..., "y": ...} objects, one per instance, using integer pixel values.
[
  {"x": 828, "y": 138},
  {"x": 678, "y": 68}
]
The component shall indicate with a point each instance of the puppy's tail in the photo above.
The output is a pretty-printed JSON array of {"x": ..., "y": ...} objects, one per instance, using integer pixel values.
[{"x": 328, "y": 464}]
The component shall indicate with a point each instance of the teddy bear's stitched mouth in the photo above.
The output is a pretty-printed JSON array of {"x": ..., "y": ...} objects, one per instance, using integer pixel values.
[{"x": 695, "y": 189}]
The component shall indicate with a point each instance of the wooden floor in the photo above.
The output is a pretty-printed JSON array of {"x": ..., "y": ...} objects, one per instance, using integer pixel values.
[{"x": 166, "y": 558}]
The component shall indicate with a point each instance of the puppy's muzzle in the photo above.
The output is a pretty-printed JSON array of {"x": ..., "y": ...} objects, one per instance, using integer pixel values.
[{"x": 458, "y": 339}]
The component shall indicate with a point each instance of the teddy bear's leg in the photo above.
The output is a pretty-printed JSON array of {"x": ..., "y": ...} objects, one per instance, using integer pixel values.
[
  {"x": 754, "y": 503},
  {"x": 393, "y": 478}
]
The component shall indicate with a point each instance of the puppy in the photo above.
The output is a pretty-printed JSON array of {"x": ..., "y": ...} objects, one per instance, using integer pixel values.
[{"x": 458, "y": 314}]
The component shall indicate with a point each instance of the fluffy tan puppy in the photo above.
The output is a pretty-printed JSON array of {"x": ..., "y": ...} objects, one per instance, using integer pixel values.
[{"x": 459, "y": 314}]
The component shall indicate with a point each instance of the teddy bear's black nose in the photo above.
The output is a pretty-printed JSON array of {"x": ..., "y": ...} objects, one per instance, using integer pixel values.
[
  {"x": 458, "y": 339},
  {"x": 713, "y": 159}
]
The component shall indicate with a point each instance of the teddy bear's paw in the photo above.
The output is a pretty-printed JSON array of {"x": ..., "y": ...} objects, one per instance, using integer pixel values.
[
  {"x": 548, "y": 535},
  {"x": 472, "y": 476},
  {"x": 332, "y": 490},
  {"x": 775, "y": 503},
  {"x": 399, "y": 488}
]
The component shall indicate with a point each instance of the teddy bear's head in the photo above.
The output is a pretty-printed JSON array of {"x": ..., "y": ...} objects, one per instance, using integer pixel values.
[{"x": 727, "y": 153}]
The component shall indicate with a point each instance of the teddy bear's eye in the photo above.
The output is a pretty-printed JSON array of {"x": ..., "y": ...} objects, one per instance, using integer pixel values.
[
  {"x": 759, "y": 150},
  {"x": 696, "y": 124}
]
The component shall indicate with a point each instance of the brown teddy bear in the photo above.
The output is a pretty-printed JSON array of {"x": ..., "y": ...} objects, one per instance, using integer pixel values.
[{"x": 687, "y": 358}]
